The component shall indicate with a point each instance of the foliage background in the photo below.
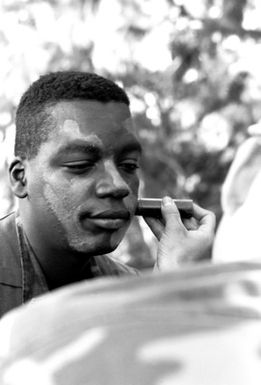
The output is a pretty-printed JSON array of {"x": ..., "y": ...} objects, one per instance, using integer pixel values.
[{"x": 190, "y": 67}]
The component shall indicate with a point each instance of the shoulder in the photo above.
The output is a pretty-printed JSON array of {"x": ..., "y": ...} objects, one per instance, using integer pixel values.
[
  {"x": 10, "y": 265},
  {"x": 8, "y": 219},
  {"x": 9, "y": 251},
  {"x": 9, "y": 245}
]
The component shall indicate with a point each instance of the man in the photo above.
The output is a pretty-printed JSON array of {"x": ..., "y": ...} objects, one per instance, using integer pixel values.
[{"x": 75, "y": 176}]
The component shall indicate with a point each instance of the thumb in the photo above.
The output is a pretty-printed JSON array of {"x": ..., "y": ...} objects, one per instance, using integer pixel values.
[{"x": 171, "y": 216}]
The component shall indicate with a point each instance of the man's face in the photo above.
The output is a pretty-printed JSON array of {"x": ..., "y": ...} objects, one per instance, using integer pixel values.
[{"x": 83, "y": 183}]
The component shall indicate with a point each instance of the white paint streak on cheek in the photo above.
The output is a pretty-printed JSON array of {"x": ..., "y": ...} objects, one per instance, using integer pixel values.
[
  {"x": 65, "y": 214},
  {"x": 56, "y": 203}
]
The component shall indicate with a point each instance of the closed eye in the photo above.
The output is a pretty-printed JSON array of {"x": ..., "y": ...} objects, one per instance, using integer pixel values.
[
  {"x": 129, "y": 166},
  {"x": 78, "y": 166}
]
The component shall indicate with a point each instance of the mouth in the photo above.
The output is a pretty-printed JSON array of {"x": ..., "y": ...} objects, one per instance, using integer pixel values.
[{"x": 108, "y": 220}]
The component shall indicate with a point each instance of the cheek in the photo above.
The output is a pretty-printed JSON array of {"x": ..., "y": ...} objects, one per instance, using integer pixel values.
[
  {"x": 134, "y": 189},
  {"x": 57, "y": 195},
  {"x": 55, "y": 200},
  {"x": 60, "y": 199},
  {"x": 134, "y": 184}
]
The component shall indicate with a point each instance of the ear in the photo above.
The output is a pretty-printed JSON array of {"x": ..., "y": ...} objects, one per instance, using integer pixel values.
[{"x": 18, "y": 178}]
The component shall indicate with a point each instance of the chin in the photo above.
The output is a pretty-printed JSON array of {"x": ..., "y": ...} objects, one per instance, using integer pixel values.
[
  {"x": 106, "y": 249},
  {"x": 103, "y": 246},
  {"x": 96, "y": 242}
]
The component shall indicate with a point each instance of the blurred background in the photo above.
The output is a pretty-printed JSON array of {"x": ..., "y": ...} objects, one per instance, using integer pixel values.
[{"x": 190, "y": 67}]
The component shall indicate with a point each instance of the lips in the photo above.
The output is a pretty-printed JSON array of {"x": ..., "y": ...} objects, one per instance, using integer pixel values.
[
  {"x": 107, "y": 219},
  {"x": 112, "y": 214}
]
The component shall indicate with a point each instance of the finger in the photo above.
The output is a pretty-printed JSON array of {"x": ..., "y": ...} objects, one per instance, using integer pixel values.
[
  {"x": 206, "y": 218},
  {"x": 199, "y": 212},
  {"x": 171, "y": 215},
  {"x": 190, "y": 223},
  {"x": 155, "y": 225}
]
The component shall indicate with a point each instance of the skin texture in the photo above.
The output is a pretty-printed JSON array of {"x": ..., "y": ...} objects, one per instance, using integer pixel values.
[{"x": 81, "y": 188}]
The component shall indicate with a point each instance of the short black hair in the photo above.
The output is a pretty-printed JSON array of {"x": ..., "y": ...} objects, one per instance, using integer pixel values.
[{"x": 34, "y": 123}]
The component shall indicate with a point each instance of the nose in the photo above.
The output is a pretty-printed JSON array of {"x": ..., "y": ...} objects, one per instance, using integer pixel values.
[{"x": 111, "y": 183}]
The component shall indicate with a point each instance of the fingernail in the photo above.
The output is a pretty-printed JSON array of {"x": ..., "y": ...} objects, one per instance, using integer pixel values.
[{"x": 167, "y": 201}]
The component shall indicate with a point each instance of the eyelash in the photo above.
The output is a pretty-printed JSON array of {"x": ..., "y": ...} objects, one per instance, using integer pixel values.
[
  {"x": 80, "y": 167},
  {"x": 129, "y": 167}
]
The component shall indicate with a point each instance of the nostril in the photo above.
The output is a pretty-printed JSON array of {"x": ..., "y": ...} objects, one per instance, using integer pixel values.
[
  {"x": 104, "y": 190},
  {"x": 121, "y": 193}
]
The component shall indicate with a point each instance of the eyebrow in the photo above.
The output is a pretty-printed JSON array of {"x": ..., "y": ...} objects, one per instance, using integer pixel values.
[
  {"x": 81, "y": 147},
  {"x": 131, "y": 147},
  {"x": 94, "y": 150}
]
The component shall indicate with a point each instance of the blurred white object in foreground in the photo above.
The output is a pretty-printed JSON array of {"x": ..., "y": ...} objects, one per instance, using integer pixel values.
[
  {"x": 238, "y": 236},
  {"x": 198, "y": 325}
]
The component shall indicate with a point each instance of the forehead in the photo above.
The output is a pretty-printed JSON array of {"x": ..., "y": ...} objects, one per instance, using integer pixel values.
[
  {"x": 82, "y": 117},
  {"x": 107, "y": 125}
]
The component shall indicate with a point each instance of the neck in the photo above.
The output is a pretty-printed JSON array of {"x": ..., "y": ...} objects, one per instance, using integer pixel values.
[{"x": 60, "y": 268}]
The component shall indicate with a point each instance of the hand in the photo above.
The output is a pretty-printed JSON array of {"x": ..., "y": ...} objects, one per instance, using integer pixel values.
[{"x": 181, "y": 242}]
